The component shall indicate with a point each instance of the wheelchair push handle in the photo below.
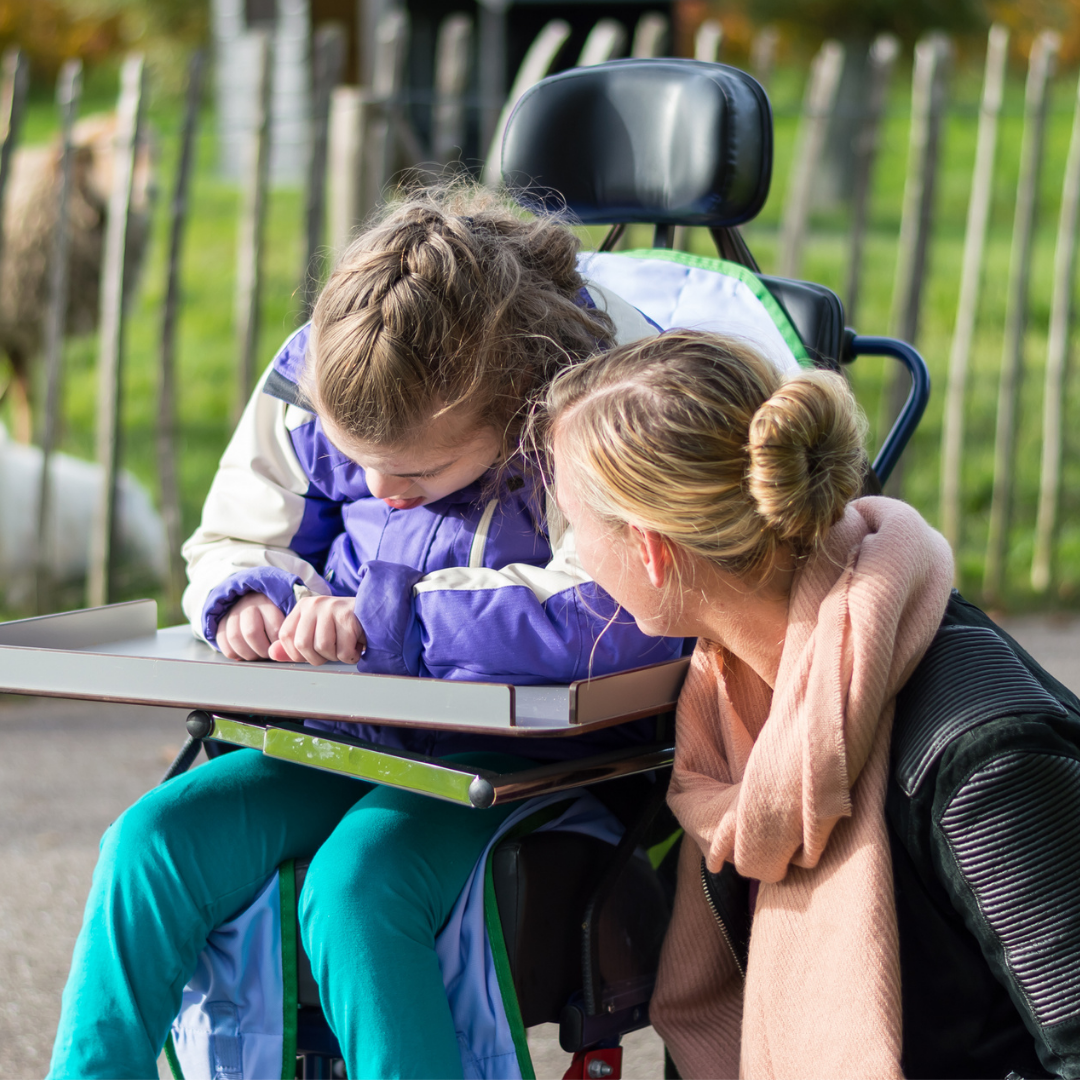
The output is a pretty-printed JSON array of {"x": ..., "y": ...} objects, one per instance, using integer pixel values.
[{"x": 899, "y": 436}]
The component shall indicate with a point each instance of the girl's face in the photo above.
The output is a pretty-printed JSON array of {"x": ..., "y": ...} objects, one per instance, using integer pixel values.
[{"x": 449, "y": 454}]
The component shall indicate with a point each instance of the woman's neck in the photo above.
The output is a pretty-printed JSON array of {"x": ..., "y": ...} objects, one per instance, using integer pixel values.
[{"x": 747, "y": 618}]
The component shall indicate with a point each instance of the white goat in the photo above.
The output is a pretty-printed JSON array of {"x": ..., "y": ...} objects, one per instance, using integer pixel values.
[{"x": 76, "y": 488}]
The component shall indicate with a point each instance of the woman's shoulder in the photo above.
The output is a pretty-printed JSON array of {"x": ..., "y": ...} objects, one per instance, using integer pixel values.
[{"x": 973, "y": 675}]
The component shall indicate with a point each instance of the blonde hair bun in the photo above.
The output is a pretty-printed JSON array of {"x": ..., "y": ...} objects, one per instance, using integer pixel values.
[
  {"x": 702, "y": 439},
  {"x": 806, "y": 456}
]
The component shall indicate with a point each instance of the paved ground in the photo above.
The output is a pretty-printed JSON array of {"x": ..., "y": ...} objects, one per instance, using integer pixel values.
[{"x": 68, "y": 768}]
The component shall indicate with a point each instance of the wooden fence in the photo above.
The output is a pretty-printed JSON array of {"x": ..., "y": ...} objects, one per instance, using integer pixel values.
[{"x": 362, "y": 138}]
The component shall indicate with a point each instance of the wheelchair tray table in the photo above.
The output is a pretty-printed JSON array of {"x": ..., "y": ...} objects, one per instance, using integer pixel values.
[{"x": 117, "y": 653}]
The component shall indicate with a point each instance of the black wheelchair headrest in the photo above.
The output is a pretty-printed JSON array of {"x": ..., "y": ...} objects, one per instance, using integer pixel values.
[{"x": 669, "y": 142}]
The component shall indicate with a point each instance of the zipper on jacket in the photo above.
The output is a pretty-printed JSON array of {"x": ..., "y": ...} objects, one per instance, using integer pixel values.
[{"x": 720, "y": 922}]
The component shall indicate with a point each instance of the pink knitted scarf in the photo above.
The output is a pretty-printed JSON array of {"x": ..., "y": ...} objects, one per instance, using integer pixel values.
[{"x": 789, "y": 785}]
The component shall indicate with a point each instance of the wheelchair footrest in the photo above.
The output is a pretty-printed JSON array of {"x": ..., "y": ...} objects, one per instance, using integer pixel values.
[
  {"x": 591, "y": 1064},
  {"x": 625, "y": 1009}
]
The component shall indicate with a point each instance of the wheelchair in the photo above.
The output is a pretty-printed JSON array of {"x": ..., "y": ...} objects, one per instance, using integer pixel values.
[{"x": 666, "y": 143}]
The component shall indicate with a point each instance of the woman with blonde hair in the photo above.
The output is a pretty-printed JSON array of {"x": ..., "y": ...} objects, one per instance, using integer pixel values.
[{"x": 880, "y": 789}]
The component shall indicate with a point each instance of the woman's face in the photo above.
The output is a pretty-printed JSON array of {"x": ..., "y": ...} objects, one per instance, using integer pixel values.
[
  {"x": 448, "y": 455},
  {"x": 615, "y": 556}
]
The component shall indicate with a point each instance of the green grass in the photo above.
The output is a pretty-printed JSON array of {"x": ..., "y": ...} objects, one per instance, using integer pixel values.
[{"x": 206, "y": 348}]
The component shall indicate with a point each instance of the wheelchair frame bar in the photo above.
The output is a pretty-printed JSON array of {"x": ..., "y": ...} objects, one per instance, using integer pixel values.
[
  {"x": 446, "y": 780},
  {"x": 914, "y": 406}
]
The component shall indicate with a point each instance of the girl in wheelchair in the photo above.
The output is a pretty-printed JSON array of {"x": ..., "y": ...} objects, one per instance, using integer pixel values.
[
  {"x": 880, "y": 789},
  {"x": 369, "y": 509}
]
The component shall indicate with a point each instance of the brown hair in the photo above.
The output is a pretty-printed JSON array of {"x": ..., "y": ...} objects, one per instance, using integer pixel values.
[
  {"x": 454, "y": 300},
  {"x": 704, "y": 441}
]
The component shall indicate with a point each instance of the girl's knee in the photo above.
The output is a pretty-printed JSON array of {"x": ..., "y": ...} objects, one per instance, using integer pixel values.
[
  {"x": 353, "y": 859},
  {"x": 374, "y": 870},
  {"x": 137, "y": 835},
  {"x": 397, "y": 861}
]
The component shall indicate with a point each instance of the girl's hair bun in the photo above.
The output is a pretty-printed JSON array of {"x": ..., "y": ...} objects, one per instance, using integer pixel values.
[{"x": 806, "y": 456}]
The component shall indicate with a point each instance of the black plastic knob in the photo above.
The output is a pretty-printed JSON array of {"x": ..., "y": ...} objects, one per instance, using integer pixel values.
[{"x": 200, "y": 724}]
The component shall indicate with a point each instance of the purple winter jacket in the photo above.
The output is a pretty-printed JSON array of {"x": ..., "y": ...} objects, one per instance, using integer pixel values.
[{"x": 472, "y": 587}]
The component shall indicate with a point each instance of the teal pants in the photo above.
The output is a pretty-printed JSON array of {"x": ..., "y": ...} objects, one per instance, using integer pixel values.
[{"x": 194, "y": 852}]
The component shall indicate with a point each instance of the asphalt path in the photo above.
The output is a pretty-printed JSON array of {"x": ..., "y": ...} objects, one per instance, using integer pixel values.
[{"x": 68, "y": 768}]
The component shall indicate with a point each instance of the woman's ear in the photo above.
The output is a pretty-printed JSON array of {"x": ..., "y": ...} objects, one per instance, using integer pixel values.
[{"x": 655, "y": 555}]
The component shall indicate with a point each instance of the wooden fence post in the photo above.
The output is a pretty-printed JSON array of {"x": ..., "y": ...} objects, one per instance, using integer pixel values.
[
  {"x": 344, "y": 153},
  {"x": 1040, "y": 70},
  {"x": 932, "y": 54},
  {"x": 15, "y": 79},
  {"x": 817, "y": 107},
  {"x": 166, "y": 427},
  {"x": 538, "y": 62},
  {"x": 1057, "y": 361},
  {"x": 252, "y": 220},
  {"x": 651, "y": 36},
  {"x": 379, "y": 147},
  {"x": 368, "y": 13},
  {"x": 15, "y": 82},
  {"x": 328, "y": 53},
  {"x": 68, "y": 91},
  {"x": 111, "y": 332},
  {"x": 763, "y": 54},
  {"x": 606, "y": 41},
  {"x": 982, "y": 183},
  {"x": 492, "y": 28},
  {"x": 453, "y": 54},
  {"x": 883, "y": 53},
  {"x": 928, "y": 87},
  {"x": 707, "y": 41}
]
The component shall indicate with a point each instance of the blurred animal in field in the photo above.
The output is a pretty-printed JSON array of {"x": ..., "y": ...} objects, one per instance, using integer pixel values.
[
  {"x": 75, "y": 490},
  {"x": 30, "y": 215}
]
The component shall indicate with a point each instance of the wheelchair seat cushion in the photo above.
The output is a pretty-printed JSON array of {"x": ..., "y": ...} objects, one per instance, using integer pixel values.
[
  {"x": 542, "y": 885},
  {"x": 673, "y": 288},
  {"x": 662, "y": 141}
]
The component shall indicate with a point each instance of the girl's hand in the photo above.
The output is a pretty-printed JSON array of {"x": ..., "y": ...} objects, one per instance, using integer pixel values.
[
  {"x": 249, "y": 628},
  {"x": 318, "y": 629}
]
